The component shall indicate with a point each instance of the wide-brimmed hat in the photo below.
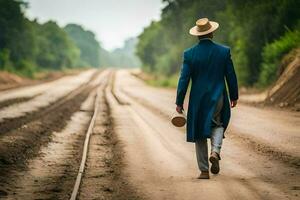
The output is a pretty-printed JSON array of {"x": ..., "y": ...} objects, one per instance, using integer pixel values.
[{"x": 203, "y": 27}]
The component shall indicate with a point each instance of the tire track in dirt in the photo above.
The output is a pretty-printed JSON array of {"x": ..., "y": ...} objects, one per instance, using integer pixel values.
[
  {"x": 10, "y": 124},
  {"x": 49, "y": 171},
  {"x": 246, "y": 180},
  {"x": 250, "y": 142},
  {"x": 22, "y": 144},
  {"x": 103, "y": 177},
  {"x": 51, "y": 174},
  {"x": 19, "y": 144},
  {"x": 10, "y": 102}
]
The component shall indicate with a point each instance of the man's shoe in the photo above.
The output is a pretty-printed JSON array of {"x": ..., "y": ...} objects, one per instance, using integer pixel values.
[
  {"x": 214, "y": 159},
  {"x": 204, "y": 175}
]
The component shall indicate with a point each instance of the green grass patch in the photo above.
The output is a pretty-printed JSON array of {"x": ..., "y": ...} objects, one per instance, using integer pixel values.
[
  {"x": 272, "y": 55},
  {"x": 170, "y": 82},
  {"x": 158, "y": 80}
]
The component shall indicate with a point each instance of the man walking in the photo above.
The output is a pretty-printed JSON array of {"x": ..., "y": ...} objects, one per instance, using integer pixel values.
[{"x": 207, "y": 65}]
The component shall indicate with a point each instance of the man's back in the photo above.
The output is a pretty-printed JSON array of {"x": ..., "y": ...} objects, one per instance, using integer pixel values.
[
  {"x": 207, "y": 64},
  {"x": 207, "y": 61}
]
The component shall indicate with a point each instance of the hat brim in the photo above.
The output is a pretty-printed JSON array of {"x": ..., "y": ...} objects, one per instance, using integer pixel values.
[
  {"x": 178, "y": 121},
  {"x": 194, "y": 31}
]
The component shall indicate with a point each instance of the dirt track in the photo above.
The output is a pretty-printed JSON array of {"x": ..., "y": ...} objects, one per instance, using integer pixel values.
[
  {"x": 135, "y": 152},
  {"x": 260, "y": 154}
]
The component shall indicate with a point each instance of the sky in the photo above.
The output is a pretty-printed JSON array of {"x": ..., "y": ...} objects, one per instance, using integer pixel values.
[{"x": 112, "y": 21}]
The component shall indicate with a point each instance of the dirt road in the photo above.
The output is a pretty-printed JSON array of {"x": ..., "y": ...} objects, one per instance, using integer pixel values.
[
  {"x": 134, "y": 151},
  {"x": 260, "y": 154}
]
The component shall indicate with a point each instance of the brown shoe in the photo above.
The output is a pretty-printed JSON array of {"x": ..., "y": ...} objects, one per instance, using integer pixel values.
[
  {"x": 204, "y": 175},
  {"x": 214, "y": 159}
]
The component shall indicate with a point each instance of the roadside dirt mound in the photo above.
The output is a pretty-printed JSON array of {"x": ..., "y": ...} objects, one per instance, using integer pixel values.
[
  {"x": 286, "y": 90},
  {"x": 8, "y": 80}
]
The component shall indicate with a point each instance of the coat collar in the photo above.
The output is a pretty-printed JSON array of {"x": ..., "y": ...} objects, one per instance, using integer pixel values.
[{"x": 205, "y": 40}]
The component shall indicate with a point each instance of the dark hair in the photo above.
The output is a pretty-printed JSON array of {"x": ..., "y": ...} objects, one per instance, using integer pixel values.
[{"x": 209, "y": 35}]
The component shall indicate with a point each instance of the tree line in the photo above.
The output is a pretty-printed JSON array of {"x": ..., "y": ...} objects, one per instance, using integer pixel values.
[
  {"x": 27, "y": 46},
  {"x": 258, "y": 32}
]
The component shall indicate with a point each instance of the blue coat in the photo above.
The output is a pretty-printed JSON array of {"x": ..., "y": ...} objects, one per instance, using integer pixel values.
[{"x": 207, "y": 65}]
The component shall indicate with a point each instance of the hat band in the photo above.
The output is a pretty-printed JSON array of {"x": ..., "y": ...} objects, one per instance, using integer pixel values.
[{"x": 205, "y": 27}]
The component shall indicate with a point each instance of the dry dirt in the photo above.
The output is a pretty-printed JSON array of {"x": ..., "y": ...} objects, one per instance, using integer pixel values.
[
  {"x": 22, "y": 143},
  {"x": 103, "y": 177},
  {"x": 40, "y": 160},
  {"x": 135, "y": 152},
  {"x": 260, "y": 152},
  {"x": 11, "y": 81}
]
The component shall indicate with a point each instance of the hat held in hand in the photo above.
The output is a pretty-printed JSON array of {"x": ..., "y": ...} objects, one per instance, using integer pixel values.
[{"x": 178, "y": 119}]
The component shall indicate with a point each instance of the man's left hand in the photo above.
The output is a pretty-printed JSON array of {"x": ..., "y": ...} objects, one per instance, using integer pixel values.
[{"x": 179, "y": 109}]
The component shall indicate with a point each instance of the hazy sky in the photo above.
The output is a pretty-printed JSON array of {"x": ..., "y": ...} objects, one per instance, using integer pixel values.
[{"x": 112, "y": 21}]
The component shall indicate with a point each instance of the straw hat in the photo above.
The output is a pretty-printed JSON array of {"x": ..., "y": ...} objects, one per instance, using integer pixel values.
[
  {"x": 203, "y": 27},
  {"x": 178, "y": 119}
]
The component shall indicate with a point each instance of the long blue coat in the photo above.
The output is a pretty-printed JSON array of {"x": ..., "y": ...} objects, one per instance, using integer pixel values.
[{"x": 207, "y": 65}]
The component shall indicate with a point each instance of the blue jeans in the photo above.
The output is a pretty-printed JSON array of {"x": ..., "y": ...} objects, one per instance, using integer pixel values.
[{"x": 202, "y": 149}]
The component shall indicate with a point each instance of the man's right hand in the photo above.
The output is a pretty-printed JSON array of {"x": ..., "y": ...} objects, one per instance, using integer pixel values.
[{"x": 233, "y": 103}]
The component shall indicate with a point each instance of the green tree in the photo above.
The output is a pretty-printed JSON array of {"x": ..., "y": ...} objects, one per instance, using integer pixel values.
[
  {"x": 16, "y": 38},
  {"x": 151, "y": 44},
  {"x": 258, "y": 23},
  {"x": 55, "y": 49},
  {"x": 27, "y": 46},
  {"x": 247, "y": 26},
  {"x": 87, "y": 43}
]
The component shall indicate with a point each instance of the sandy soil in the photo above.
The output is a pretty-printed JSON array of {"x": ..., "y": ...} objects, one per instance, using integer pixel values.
[
  {"x": 19, "y": 147},
  {"x": 103, "y": 177},
  {"x": 163, "y": 165},
  {"x": 10, "y": 81},
  {"x": 135, "y": 152},
  {"x": 51, "y": 92},
  {"x": 269, "y": 127},
  {"x": 41, "y": 159},
  {"x": 51, "y": 175}
]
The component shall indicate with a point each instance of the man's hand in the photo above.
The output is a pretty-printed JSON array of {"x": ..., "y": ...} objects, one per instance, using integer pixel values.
[
  {"x": 179, "y": 109},
  {"x": 233, "y": 103}
]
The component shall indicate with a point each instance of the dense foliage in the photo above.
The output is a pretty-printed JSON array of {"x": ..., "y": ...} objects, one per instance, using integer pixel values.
[
  {"x": 272, "y": 54},
  {"x": 247, "y": 26},
  {"x": 26, "y": 46},
  {"x": 87, "y": 43},
  {"x": 54, "y": 47}
]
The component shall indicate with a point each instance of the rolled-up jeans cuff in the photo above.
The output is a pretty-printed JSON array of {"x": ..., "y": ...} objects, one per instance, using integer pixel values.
[{"x": 217, "y": 150}]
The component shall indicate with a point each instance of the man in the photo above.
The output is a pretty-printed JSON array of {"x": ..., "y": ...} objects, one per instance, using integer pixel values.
[{"x": 207, "y": 65}]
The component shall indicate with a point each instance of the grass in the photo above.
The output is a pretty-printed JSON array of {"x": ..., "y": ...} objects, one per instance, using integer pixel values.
[
  {"x": 158, "y": 80},
  {"x": 170, "y": 82}
]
